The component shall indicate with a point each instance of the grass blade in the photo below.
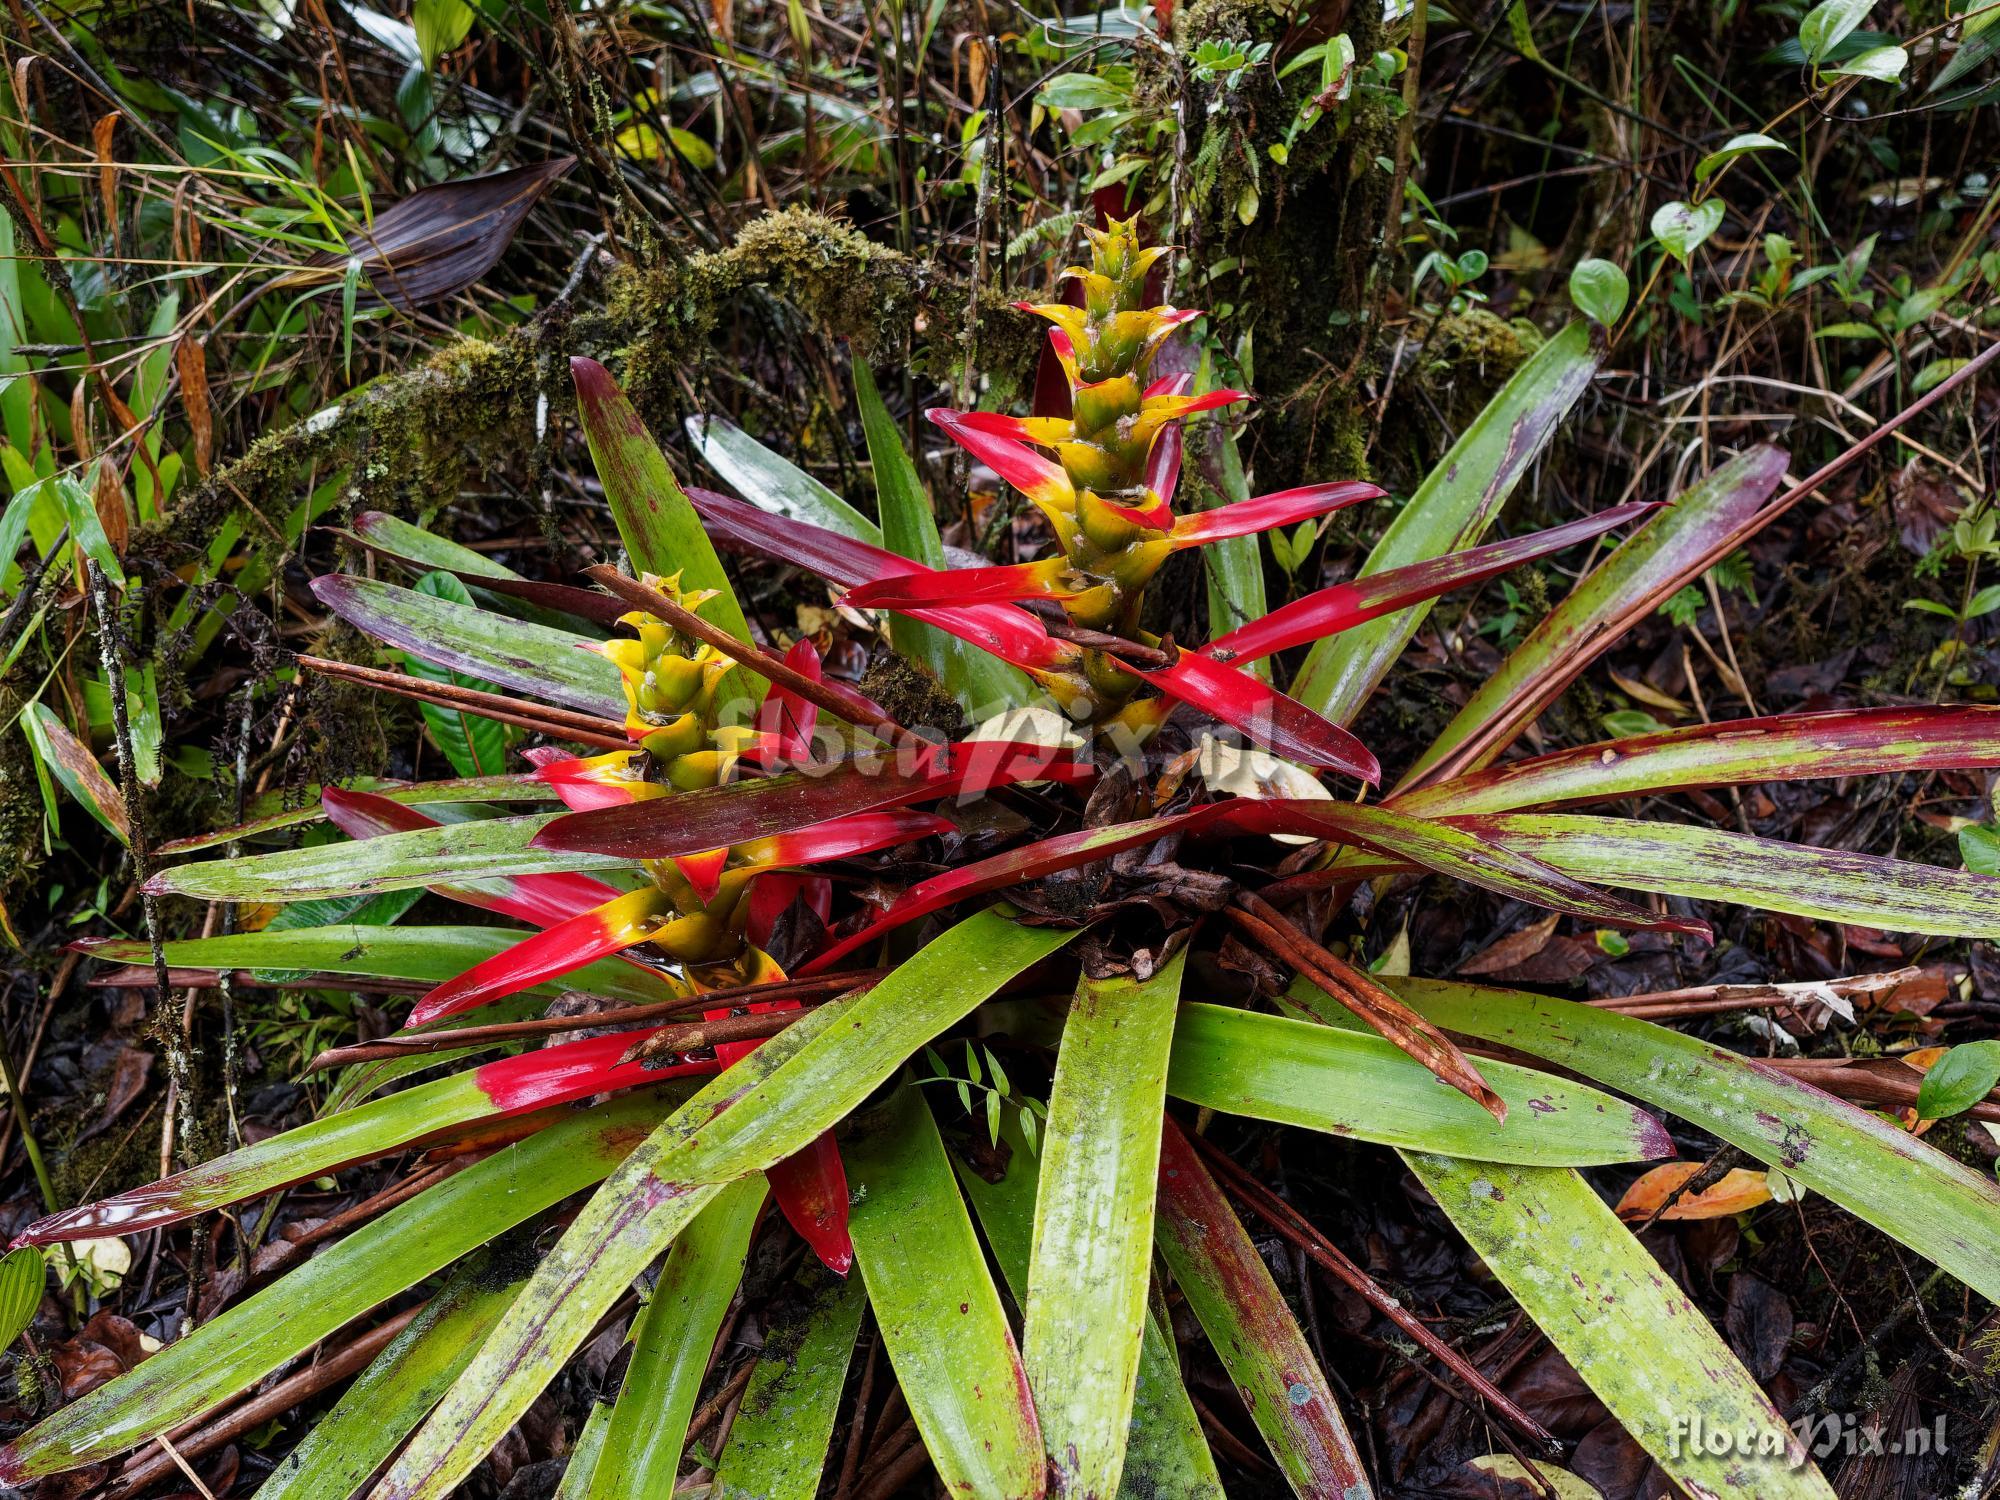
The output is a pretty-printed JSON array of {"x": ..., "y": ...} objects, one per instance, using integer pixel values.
[
  {"x": 778, "y": 1443},
  {"x": 940, "y": 1315},
  {"x": 1271, "y": 1068},
  {"x": 1625, "y": 1326},
  {"x": 1254, "y": 1333},
  {"x": 1939, "y": 1207},
  {"x": 1093, "y": 1245},
  {"x": 671, "y": 1344},
  {"x": 1451, "y": 509}
]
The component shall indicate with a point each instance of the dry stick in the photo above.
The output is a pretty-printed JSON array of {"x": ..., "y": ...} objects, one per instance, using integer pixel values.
[
  {"x": 180, "y": 1069},
  {"x": 1294, "y": 1225},
  {"x": 1394, "y": 1020},
  {"x": 559, "y": 723},
  {"x": 843, "y": 703},
  {"x": 684, "y": 1038},
  {"x": 510, "y": 1031},
  {"x": 196, "y": 1442}
]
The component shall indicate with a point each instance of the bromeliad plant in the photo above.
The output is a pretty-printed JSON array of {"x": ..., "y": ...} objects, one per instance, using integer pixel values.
[{"x": 698, "y": 868}]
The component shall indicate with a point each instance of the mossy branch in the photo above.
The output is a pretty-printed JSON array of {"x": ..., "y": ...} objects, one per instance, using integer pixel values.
[{"x": 419, "y": 428}]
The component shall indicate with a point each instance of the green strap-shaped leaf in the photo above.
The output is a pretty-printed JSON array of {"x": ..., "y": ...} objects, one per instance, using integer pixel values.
[
  {"x": 778, "y": 1443},
  {"x": 396, "y": 1391},
  {"x": 1627, "y": 1328},
  {"x": 656, "y": 520},
  {"x": 1452, "y": 509},
  {"x": 271, "y": 814},
  {"x": 940, "y": 1315},
  {"x": 671, "y": 1344},
  {"x": 518, "y": 655},
  {"x": 1093, "y": 1245},
  {"x": 765, "y": 1107},
  {"x": 1713, "y": 864},
  {"x": 1667, "y": 551},
  {"x": 424, "y": 549},
  {"x": 981, "y": 682},
  {"x": 1166, "y": 1455},
  {"x": 427, "y": 955},
  {"x": 771, "y": 482},
  {"x": 1939, "y": 1207},
  {"x": 67, "y": 758},
  {"x": 393, "y": 862},
  {"x": 1240, "y": 1308},
  {"x": 416, "y": 1239},
  {"x": 23, "y": 1275},
  {"x": 1353, "y": 1083},
  {"x": 582, "y": 1466}
]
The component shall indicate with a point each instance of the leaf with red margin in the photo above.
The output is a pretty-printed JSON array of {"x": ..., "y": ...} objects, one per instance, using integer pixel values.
[
  {"x": 541, "y": 899},
  {"x": 1280, "y": 724},
  {"x": 1010, "y": 634},
  {"x": 948, "y": 587},
  {"x": 1712, "y": 864},
  {"x": 1739, "y": 752},
  {"x": 1345, "y": 605},
  {"x": 689, "y": 822},
  {"x": 427, "y": 1113},
  {"x": 989, "y": 438},
  {"x": 1247, "y": 1321},
  {"x": 611, "y": 928},
  {"x": 1263, "y": 512},
  {"x": 786, "y": 720},
  {"x": 1435, "y": 845}
]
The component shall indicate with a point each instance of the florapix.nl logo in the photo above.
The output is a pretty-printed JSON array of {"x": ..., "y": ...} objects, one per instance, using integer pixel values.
[{"x": 1829, "y": 1435}]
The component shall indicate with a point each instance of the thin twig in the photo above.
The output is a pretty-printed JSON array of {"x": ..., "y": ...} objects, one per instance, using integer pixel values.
[{"x": 557, "y": 723}]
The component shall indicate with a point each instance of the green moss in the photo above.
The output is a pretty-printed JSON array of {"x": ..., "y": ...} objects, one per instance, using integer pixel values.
[{"x": 1468, "y": 356}]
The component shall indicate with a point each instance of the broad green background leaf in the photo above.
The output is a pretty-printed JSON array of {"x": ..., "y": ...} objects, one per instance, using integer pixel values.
[
  {"x": 1683, "y": 228},
  {"x": 1827, "y": 23},
  {"x": 940, "y": 1316},
  {"x": 982, "y": 684},
  {"x": 23, "y": 1274},
  {"x": 1450, "y": 510},
  {"x": 771, "y": 482},
  {"x": 671, "y": 1344},
  {"x": 777, "y": 1445},
  {"x": 1600, "y": 290},
  {"x": 1092, "y": 1257},
  {"x": 1624, "y": 1324},
  {"x": 69, "y": 760},
  {"x": 475, "y": 746}
]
